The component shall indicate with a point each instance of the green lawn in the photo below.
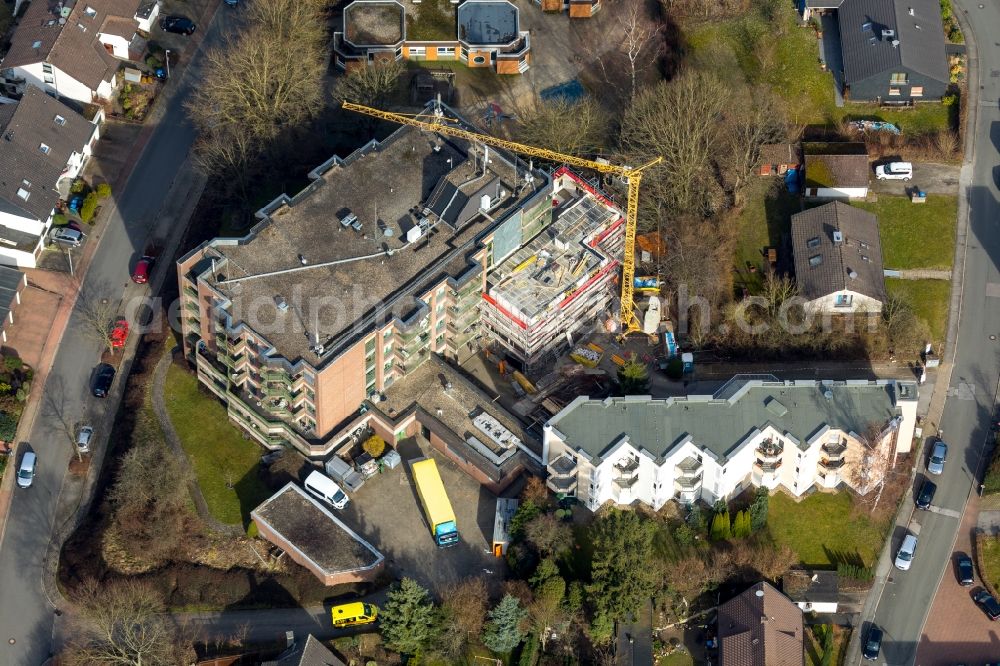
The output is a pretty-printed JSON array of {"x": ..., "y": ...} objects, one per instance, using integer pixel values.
[
  {"x": 929, "y": 299},
  {"x": 793, "y": 72},
  {"x": 990, "y": 559},
  {"x": 221, "y": 457},
  {"x": 916, "y": 235},
  {"x": 676, "y": 659},
  {"x": 823, "y": 529}
]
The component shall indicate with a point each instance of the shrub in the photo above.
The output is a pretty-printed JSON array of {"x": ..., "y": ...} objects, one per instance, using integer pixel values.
[
  {"x": 675, "y": 369},
  {"x": 8, "y": 426},
  {"x": 684, "y": 535},
  {"x": 721, "y": 527},
  {"x": 855, "y": 571},
  {"x": 103, "y": 191},
  {"x": 758, "y": 510},
  {"x": 5, "y": 388},
  {"x": 529, "y": 653},
  {"x": 12, "y": 363},
  {"x": 374, "y": 446},
  {"x": 991, "y": 484},
  {"x": 252, "y": 531},
  {"x": 59, "y": 220},
  {"x": 88, "y": 208},
  {"x": 78, "y": 186},
  {"x": 21, "y": 395},
  {"x": 153, "y": 62}
]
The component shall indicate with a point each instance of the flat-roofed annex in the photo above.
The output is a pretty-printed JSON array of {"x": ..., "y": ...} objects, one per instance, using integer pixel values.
[{"x": 302, "y": 276}]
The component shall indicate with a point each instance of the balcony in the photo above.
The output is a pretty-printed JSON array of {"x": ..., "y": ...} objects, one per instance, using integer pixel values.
[
  {"x": 562, "y": 466},
  {"x": 625, "y": 482},
  {"x": 627, "y": 466},
  {"x": 561, "y": 485},
  {"x": 834, "y": 450},
  {"x": 690, "y": 466},
  {"x": 831, "y": 464},
  {"x": 767, "y": 468},
  {"x": 687, "y": 483},
  {"x": 769, "y": 450}
]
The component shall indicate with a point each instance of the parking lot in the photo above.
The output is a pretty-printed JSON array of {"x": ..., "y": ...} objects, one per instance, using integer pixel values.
[
  {"x": 927, "y": 176},
  {"x": 387, "y": 513}
]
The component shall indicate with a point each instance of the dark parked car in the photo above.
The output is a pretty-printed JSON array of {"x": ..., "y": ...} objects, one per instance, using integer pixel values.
[
  {"x": 180, "y": 25},
  {"x": 987, "y": 603},
  {"x": 926, "y": 494},
  {"x": 874, "y": 643},
  {"x": 104, "y": 376},
  {"x": 966, "y": 572}
]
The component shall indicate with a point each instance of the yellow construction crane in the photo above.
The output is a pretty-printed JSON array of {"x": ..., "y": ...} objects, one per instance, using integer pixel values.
[{"x": 435, "y": 123}]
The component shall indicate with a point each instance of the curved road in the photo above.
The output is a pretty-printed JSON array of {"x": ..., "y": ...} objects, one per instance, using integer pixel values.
[
  {"x": 906, "y": 597},
  {"x": 26, "y": 616}
]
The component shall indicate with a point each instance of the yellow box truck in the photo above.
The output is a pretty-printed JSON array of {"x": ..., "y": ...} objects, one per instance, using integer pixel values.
[{"x": 437, "y": 508}]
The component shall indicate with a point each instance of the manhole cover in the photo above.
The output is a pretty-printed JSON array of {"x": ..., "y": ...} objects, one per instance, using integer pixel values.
[
  {"x": 993, "y": 337},
  {"x": 11, "y": 641},
  {"x": 994, "y": 73}
]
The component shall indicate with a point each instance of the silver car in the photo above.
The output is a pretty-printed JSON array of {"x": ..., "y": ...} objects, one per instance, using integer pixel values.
[
  {"x": 66, "y": 236},
  {"x": 940, "y": 453},
  {"x": 83, "y": 438},
  {"x": 26, "y": 471}
]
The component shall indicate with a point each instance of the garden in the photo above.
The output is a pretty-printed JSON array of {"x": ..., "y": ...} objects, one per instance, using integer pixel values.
[
  {"x": 15, "y": 386},
  {"x": 82, "y": 205}
]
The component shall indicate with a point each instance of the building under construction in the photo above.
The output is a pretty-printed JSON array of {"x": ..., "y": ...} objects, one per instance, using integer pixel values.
[{"x": 561, "y": 280}]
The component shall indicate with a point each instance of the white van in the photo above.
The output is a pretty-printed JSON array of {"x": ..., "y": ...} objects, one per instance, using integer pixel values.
[
  {"x": 325, "y": 489},
  {"x": 894, "y": 171},
  {"x": 905, "y": 555}
]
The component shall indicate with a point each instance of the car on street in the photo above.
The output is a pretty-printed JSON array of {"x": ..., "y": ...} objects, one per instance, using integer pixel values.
[
  {"x": 118, "y": 334},
  {"x": 104, "y": 377},
  {"x": 26, "y": 470},
  {"x": 140, "y": 274},
  {"x": 66, "y": 236},
  {"x": 83, "y": 437},
  {"x": 873, "y": 645},
  {"x": 179, "y": 25},
  {"x": 926, "y": 494},
  {"x": 989, "y": 605},
  {"x": 966, "y": 572},
  {"x": 938, "y": 455},
  {"x": 894, "y": 171},
  {"x": 904, "y": 557}
]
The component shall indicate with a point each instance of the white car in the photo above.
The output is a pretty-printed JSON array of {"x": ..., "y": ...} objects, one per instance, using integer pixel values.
[
  {"x": 905, "y": 555},
  {"x": 83, "y": 437},
  {"x": 894, "y": 171},
  {"x": 66, "y": 236}
]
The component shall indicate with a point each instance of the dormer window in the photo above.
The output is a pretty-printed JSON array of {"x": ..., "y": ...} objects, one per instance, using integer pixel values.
[
  {"x": 37, "y": 44},
  {"x": 59, "y": 120},
  {"x": 23, "y": 193},
  {"x": 82, "y": 27},
  {"x": 89, "y": 12},
  {"x": 44, "y": 148}
]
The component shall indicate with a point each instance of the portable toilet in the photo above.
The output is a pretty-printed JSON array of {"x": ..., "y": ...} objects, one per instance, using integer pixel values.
[{"x": 688, "y": 359}]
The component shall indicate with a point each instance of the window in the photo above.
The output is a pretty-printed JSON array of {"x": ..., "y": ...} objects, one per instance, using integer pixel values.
[
  {"x": 89, "y": 12},
  {"x": 813, "y": 242},
  {"x": 46, "y": 67},
  {"x": 894, "y": 92},
  {"x": 917, "y": 91},
  {"x": 843, "y": 300},
  {"x": 479, "y": 60},
  {"x": 417, "y": 51},
  {"x": 37, "y": 44},
  {"x": 446, "y": 51},
  {"x": 23, "y": 193},
  {"x": 897, "y": 79},
  {"x": 815, "y": 260},
  {"x": 45, "y": 149},
  {"x": 387, "y": 333},
  {"x": 59, "y": 120}
]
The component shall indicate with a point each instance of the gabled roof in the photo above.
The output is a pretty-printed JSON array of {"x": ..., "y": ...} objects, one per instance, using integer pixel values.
[
  {"x": 811, "y": 586},
  {"x": 878, "y": 36},
  {"x": 760, "y": 627},
  {"x": 66, "y": 37},
  {"x": 841, "y": 164},
  {"x": 307, "y": 653},
  {"x": 35, "y": 121},
  {"x": 823, "y": 265}
]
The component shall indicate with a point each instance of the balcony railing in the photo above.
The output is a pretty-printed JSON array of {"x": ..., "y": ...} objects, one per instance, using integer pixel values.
[
  {"x": 765, "y": 467},
  {"x": 834, "y": 449},
  {"x": 831, "y": 465},
  {"x": 689, "y": 466},
  {"x": 626, "y": 482},
  {"x": 627, "y": 465},
  {"x": 562, "y": 466},
  {"x": 687, "y": 482},
  {"x": 561, "y": 484},
  {"x": 769, "y": 451}
]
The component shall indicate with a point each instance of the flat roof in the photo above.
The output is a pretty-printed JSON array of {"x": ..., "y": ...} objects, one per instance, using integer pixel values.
[
  {"x": 560, "y": 258},
  {"x": 487, "y": 22},
  {"x": 315, "y": 532},
  {"x": 374, "y": 22},
  {"x": 311, "y": 277},
  {"x": 450, "y": 397},
  {"x": 720, "y": 423}
]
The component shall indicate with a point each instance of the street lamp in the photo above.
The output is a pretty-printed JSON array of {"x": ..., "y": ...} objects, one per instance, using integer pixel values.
[{"x": 166, "y": 58}]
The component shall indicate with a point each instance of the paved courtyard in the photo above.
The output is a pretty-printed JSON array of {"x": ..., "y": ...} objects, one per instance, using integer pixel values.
[{"x": 956, "y": 630}]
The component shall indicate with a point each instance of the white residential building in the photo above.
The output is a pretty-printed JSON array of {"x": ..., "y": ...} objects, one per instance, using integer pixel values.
[
  {"x": 74, "y": 50},
  {"x": 752, "y": 432},
  {"x": 44, "y": 145}
]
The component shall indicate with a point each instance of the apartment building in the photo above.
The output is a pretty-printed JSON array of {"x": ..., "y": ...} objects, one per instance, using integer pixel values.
[
  {"x": 357, "y": 280},
  {"x": 754, "y": 431},
  {"x": 560, "y": 281},
  {"x": 486, "y": 33}
]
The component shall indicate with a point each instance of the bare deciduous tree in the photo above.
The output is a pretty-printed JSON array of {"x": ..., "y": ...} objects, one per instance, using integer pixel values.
[
  {"x": 97, "y": 313},
  {"x": 549, "y": 535},
  {"x": 122, "y": 624},
  {"x": 464, "y": 612},
  {"x": 574, "y": 128},
  {"x": 870, "y": 466},
  {"x": 370, "y": 85},
  {"x": 753, "y": 119}
]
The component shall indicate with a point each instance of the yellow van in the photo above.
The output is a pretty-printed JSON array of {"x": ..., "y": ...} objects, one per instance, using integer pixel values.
[{"x": 348, "y": 615}]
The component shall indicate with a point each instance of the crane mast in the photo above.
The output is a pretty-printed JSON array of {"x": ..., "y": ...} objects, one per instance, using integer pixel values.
[{"x": 436, "y": 123}]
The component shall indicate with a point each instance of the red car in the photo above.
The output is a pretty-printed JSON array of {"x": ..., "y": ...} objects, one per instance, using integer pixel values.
[
  {"x": 141, "y": 273},
  {"x": 119, "y": 333}
]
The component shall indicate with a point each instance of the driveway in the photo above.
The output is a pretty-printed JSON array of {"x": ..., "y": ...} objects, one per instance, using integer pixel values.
[
  {"x": 928, "y": 176},
  {"x": 975, "y": 639}
]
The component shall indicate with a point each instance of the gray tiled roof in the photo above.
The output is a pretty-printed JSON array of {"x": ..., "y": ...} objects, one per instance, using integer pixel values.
[
  {"x": 721, "y": 424},
  {"x": 867, "y": 53},
  {"x": 812, "y": 586},
  {"x": 72, "y": 46},
  {"x": 11, "y": 282},
  {"x": 760, "y": 627},
  {"x": 823, "y": 267},
  {"x": 308, "y": 653},
  {"x": 24, "y": 128}
]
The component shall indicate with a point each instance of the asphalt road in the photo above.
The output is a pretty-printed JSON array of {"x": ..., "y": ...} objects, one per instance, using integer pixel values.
[
  {"x": 26, "y": 617},
  {"x": 907, "y": 596}
]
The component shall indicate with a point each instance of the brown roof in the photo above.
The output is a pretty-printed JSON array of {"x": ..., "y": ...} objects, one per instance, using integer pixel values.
[
  {"x": 760, "y": 627},
  {"x": 120, "y": 26},
  {"x": 824, "y": 265},
  {"x": 72, "y": 46},
  {"x": 24, "y": 128},
  {"x": 780, "y": 153},
  {"x": 842, "y": 164}
]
